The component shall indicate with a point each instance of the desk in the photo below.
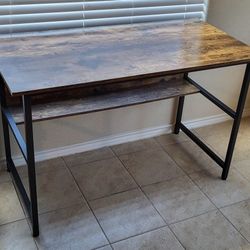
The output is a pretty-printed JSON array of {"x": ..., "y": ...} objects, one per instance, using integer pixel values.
[{"x": 105, "y": 68}]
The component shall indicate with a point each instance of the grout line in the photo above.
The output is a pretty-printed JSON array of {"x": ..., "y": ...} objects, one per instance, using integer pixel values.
[
  {"x": 216, "y": 208},
  {"x": 141, "y": 234},
  {"x": 34, "y": 239},
  {"x": 10, "y": 222},
  {"x": 233, "y": 226},
  {"x": 107, "y": 196},
  {"x": 219, "y": 209},
  {"x": 226, "y": 206},
  {"x": 149, "y": 200},
  {"x": 151, "y": 150},
  {"x": 88, "y": 162},
  {"x": 61, "y": 208},
  {"x": 88, "y": 204},
  {"x": 145, "y": 232},
  {"x": 177, "y": 164},
  {"x": 183, "y": 169},
  {"x": 134, "y": 151},
  {"x": 177, "y": 237},
  {"x": 112, "y": 246},
  {"x": 162, "y": 147},
  {"x": 236, "y": 169},
  {"x": 97, "y": 248},
  {"x": 193, "y": 217},
  {"x": 187, "y": 175}
]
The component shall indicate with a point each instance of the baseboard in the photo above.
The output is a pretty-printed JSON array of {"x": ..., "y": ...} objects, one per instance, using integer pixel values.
[{"x": 124, "y": 137}]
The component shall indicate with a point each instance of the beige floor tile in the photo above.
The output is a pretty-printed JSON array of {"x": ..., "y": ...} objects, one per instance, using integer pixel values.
[
  {"x": 2, "y": 164},
  {"x": 56, "y": 190},
  {"x": 135, "y": 146},
  {"x": 171, "y": 138},
  {"x": 209, "y": 231},
  {"x": 243, "y": 167},
  {"x": 178, "y": 199},
  {"x": 218, "y": 137},
  {"x": 4, "y": 175},
  {"x": 105, "y": 248},
  {"x": 239, "y": 215},
  {"x": 151, "y": 166},
  {"x": 16, "y": 236},
  {"x": 242, "y": 149},
  {"x": 236, "y": 188},
  {"x": 102, "y": 178},
  {"x": 126, "y": 214},
  {"x": 220, "y": 144},
  {"x": 10, "y": 208},
  {"x": 90, "y": 156},
  {"x": 244, "y": 127},
  {"x": 71, "y": 228},
  {"x": 189, "y": 157},
  {"x": 160, "y": 239},
  {"x": 44, "y": 166},
  {"x": 222, "y": 129}
]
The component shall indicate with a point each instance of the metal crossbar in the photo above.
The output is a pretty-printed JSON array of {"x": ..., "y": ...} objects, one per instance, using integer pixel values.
[
  {"x": 236, "y": 115},
  {"x": 212, "y": 98}
]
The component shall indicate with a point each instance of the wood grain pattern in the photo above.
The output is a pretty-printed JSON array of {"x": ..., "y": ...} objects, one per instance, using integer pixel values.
[
  {"x": 152, "y": 90},
  {"x": 43, "y": 64},
  {"x": 94, "y": 89}
]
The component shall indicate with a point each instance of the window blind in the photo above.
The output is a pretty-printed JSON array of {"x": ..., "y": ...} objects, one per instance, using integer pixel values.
[{"x": 42, "y": 15}]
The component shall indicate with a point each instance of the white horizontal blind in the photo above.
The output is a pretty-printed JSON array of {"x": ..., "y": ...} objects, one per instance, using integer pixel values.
[
  {"x": 42, "y": 15},
  {"x": 110, "y": 12}
]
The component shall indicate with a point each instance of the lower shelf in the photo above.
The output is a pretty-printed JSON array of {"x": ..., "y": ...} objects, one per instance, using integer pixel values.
[{"x": 163, "y": 89}]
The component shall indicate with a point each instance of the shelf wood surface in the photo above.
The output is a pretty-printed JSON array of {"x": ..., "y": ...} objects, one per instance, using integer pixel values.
[{"x": 153, "y": 90}]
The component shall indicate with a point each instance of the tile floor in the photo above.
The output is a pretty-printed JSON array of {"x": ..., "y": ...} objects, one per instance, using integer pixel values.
[{"x": 160, "y": 193}]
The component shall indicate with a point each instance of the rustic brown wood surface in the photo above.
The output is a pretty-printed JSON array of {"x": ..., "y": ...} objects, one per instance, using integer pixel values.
[
  {"x": 42, "y": 64},
  {"x": 152, "y": 90}
]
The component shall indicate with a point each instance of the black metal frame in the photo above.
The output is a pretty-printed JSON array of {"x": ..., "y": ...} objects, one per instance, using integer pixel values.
[
  {"x": 27, "y": 149},
  {"x": 27, "y": 146},
  {"x": 236, "y": 115}
]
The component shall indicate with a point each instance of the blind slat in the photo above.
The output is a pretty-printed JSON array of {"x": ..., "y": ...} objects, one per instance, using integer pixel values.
[
  {"x": 45, "y": 17},
  {"x": 40, "y": 15}
]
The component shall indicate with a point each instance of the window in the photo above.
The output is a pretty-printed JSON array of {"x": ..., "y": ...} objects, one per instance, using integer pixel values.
[{"x": 42, "y": 15}]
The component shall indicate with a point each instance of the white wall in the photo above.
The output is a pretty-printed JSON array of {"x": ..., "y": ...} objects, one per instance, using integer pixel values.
[
  {"x": 234, "y": 18},
  {"x": 230, "y": 15}
]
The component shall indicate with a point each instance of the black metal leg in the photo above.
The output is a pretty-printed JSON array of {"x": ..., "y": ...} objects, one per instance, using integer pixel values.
[
  {"x": 236, "y": 115},
  {"x": 27, "y": 149},
  {"x": 179, "y": 114},
  {"x": 28, "y": 152},
  {"x": 31, "y": 163},
  {"x": 236, "y": 124},
  {"x": 5, "y": 127}
]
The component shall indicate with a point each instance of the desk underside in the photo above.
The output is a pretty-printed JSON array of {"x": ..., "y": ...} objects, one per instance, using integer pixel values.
[
  {"x": 105, "y": 97},
  {"x": 34, "y": 65}
]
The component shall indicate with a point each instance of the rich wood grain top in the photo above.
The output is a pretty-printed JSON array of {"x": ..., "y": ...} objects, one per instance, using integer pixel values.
[{"x": 42, "y": 64}]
